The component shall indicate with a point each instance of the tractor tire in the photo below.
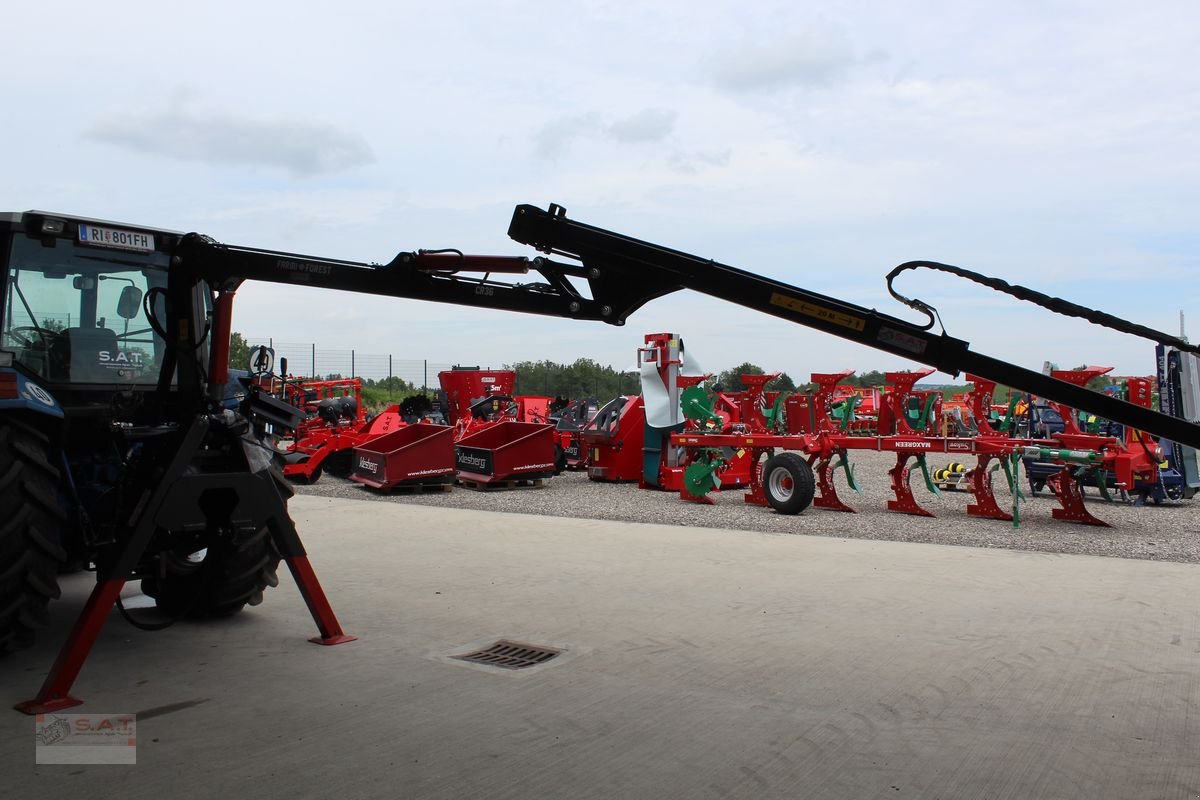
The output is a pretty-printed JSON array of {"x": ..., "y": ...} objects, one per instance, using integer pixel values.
[
  {"x": 220, "y": 580},
  {"x": 31, "y": 519},
  {"x": 789, "y": 483}
]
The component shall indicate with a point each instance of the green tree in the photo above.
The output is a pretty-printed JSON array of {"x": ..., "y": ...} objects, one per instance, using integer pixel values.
[
  {"x": 584, "y": 378},
  {"x": 239, "y": 351},
  {"x": 731, "y": 379},
  {"x": 871, "y": 378},
  {"x": 783, "y": 383}
]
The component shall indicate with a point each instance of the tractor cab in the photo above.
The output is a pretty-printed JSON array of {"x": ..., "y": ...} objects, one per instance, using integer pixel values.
[{"x": 83, "y": 302}]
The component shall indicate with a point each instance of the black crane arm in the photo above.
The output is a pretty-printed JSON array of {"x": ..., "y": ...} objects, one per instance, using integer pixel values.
[
  {"x": 625, "y": 273},
  {"x": 444, "y": 276}
]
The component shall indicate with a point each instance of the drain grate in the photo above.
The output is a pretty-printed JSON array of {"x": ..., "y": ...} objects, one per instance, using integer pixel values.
[{"x": 510, "y": 655}]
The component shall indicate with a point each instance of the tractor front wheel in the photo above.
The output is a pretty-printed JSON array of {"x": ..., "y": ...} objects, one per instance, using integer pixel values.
[
  {"x": 31, "y": 521},
  {"x": 218, "y": 580},
  {"x": 789, "y": 483}
]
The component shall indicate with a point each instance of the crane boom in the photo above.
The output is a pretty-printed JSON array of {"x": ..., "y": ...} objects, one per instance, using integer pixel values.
[{"x": 625, "y": 273}]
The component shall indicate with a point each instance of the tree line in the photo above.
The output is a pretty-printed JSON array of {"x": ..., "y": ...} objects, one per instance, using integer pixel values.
[
  {"x": 583, "y": 378},
  {"x": 588, "y": 378}
]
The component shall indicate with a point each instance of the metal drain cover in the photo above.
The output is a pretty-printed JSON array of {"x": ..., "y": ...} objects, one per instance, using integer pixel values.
[{"x": 510, "y": 655}]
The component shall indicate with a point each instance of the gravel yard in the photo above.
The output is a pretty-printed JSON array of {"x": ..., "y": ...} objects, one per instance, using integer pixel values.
[{"x": 1170, "y": 532}]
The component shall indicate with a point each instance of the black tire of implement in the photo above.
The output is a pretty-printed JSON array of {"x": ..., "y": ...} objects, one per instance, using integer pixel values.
[
  {"x": 233, "y": 574},
  {"x": 560, "y": 459},
  {"x": 300, "y": 479},
  {"x": 340, "y": 464},
  {"x": 804, "y": 485},
  {"x": 31, "y": 520}
]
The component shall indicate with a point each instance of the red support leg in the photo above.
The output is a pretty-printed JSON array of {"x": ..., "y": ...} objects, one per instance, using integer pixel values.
[
  {"x": 318, "y": 604},
  {"x": 827, "y": 496},
  {"x": 756, "y": 495},
  {"x": 985, "y": 504},
  {"x": 1066, "y": 489},
  {"x": 905, "y": 503},
  {"x": 55, "y": 692}
]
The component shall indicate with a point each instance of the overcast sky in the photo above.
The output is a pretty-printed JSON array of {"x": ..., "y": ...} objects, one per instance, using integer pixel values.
[{"x": 1054, "y": 144}]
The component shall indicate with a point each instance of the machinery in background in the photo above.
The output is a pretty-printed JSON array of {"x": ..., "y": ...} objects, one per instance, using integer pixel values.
[{"x": 335, "y": 424}]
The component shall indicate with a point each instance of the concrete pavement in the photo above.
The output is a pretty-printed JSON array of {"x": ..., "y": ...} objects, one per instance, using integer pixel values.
[{"x": 698, "y": 663}]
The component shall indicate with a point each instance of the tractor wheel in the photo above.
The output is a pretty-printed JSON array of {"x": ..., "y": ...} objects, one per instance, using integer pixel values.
[
  {"x": 219, "y": 580},
  {"x": 789, "y": 483},
  {"x": 30, "y": 523}
]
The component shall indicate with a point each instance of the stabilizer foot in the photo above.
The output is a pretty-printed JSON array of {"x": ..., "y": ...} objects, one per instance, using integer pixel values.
[
  {"x": 35, "y": 706},
  {"x": 340, "y": 638}
]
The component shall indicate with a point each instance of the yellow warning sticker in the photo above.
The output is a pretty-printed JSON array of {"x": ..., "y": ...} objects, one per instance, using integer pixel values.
[{"x": 818, "y": 312}]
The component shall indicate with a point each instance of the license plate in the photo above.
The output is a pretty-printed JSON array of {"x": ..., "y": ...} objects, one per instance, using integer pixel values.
[{"x": 111, "y": 237}]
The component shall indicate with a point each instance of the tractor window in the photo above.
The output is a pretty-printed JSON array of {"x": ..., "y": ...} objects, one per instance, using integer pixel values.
[{"x": 74, "y": 314}]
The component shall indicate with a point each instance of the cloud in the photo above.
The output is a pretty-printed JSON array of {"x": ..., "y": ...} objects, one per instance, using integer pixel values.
[
  {"x": 691, "y": 163},
  {"x": 647, "y": 125},
  {"x": 811, "y": 57},
  {"x": 299, "y": 146},
  {"x": 558, "y": 134}
]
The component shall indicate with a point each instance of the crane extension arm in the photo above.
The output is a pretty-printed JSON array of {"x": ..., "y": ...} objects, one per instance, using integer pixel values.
[
  {"x": 442, "y": 276},
  {"x": 446, "y": 276},
  {"x": 625, "y": 273}
]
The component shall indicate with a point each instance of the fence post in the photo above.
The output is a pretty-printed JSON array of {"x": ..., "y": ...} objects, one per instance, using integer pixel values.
[
  {"x": 352, "y": 364},
  {"x": 389, "y": 371},
  {"x": 425, "y": 377},
  {"x": 314, "y": 369}
]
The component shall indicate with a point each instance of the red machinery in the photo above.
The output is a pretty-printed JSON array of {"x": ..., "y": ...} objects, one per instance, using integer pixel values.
[
  {"x": 534, "y": 408},
  {"x": 857, "y": 408},
  {"x": 495, "y": 440},
  {"x": 613, "y": 439},
  {"x": 1133, "y": 458},
  {"x": 505, "y": 452},
  {"x": 628, "y": 439},
  {"x": 336, "y": 423},
  {"x": 464, "y": 386},
  {"x": 413, "y": 455},
  {"x": 570, "y": 420},
  {"x": 911, "y": 418}
]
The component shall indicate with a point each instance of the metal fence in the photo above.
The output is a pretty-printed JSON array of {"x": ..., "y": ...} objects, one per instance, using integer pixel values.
[{"x": 306, "y": 359}]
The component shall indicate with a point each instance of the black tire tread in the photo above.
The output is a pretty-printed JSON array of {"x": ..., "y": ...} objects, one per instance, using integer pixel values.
[
  {"x": 30, "y": 549},
  {"x": 233, "y": 574},
  {"x": 804, "y": 482}
]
